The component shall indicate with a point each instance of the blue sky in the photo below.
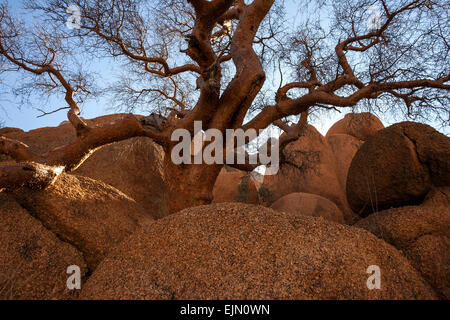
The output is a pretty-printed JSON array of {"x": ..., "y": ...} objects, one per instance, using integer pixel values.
[
  {"x": 25, "y": 116},
  {"x": 14, "y": 114}
]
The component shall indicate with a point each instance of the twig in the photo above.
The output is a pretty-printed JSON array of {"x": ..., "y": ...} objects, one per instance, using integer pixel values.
[{"x": 51, "y": 112}]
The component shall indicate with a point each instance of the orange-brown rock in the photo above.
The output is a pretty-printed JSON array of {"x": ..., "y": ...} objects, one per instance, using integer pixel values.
[
  {"x": 439, "y": 196},
  {"x": 133, "y": 166},
  {"x": 344, "y": 148},
  {"x": 239, "y": 251},
  {"x": 423, "y": 234},
  {"x": 9, "y": 130},
  {"x": 397, "y": 167},
  {"x": 90, "y": 215},
  {"x": 33, "y": 261},
  {"x": 233, "y": 185},
  {"x": 433, "y": 150},
  {"x": 359, "y": 125},
  {"x": 309, "y": 205},
  {"x": 45, "y": 139},
  {"x": 310, "y": 167}
]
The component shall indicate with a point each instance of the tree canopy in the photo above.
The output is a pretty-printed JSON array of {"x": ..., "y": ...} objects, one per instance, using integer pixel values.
[{"x": 228, "y": 63}]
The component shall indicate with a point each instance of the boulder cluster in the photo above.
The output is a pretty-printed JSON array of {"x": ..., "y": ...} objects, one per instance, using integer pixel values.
[{"x": 363, "y": 195}]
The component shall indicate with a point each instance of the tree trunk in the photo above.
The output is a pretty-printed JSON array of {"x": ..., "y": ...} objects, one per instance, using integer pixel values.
[{"x": 189, "y": 185}]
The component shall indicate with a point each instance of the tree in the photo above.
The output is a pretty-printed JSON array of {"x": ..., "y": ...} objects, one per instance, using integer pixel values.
[{"x": 208, "y": 61}]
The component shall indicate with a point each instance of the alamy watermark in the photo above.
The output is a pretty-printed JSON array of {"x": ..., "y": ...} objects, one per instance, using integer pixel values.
[
  {"x": 74, "y": 21},
  {"x": 374, "y": 19},
  {"x": 192, "y": 150},
  {"x": 74, "y": 280},
  {"x": 374, "y": 281}
]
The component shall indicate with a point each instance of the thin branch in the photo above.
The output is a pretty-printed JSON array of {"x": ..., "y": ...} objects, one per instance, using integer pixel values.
[{"x": 44, "y": 113}]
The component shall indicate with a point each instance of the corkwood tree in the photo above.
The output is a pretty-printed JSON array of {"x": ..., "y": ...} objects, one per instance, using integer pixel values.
[{"x": 217, "y": 62}]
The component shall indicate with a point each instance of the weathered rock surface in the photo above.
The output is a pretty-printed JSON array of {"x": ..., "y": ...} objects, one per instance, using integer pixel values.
[
  {"x": 423, "y": 234},
  {"x": 309, "y": 205},
  {"x": 430, "y": 256},
  {"x": 238, "y": 251},
  {"x": 344, "y": 148},
  {"x": 433, "y": 150},
  {"x": 9, "y": 130},
  {"x": 310, "y": 167},
  {"x": 90, "y": 215},
  {"x": 46, "y": 139},
  {"x": 397, "y": 167},
  {"x": 233, "y": 185},
  {"x": 133, "y": 166},
  {"x": 437, "y": 197},
  {"x": 359, "y": 125},
  {"x": 33, "y": 261}
]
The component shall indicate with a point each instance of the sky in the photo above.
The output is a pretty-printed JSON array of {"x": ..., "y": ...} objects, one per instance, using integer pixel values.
[{"x": 14, "y": 114}]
